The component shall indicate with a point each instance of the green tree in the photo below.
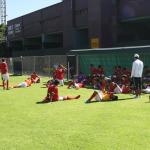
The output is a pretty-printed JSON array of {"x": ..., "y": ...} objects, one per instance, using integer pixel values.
[{"x": 2, "y": 33}]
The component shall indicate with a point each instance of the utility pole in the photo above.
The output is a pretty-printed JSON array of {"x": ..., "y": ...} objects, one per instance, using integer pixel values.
[{"x": 3, "y": 12}]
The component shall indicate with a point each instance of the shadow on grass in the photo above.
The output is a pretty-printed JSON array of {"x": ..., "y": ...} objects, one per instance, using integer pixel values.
[
  {"x": 43, "y": 87},
  {"x": 125, "y": 99},
  {"x": 48, "y": 102},
  {"x": 15, "y": 75},
  {"x": 111, "y": 100},
  {"x": 43, "y": 102}
]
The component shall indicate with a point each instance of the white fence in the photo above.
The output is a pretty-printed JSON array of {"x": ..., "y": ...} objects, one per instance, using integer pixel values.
[{"x": 42, "y": 65}]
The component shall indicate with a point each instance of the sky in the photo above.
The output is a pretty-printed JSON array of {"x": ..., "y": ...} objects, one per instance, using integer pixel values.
[{"x": 17, "y": 8}]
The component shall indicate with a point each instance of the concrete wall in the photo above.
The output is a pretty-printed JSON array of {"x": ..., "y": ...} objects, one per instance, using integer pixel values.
[{"x": 96, "y": 17}]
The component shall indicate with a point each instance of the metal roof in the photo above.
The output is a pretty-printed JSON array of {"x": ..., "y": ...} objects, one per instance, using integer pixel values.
[{"x": 112, "y": 50}]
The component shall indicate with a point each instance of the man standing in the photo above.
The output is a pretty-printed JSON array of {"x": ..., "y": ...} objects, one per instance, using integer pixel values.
[
  {"x": 4, "y": 73},
  {"x": 59, "y": 74},
  {"x": 136, "y": 74}
]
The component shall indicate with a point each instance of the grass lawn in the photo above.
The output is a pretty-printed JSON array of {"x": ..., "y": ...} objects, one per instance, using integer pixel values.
[{"x": 71, "y": 125}]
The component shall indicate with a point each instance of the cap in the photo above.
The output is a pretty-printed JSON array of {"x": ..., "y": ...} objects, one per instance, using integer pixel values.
[{"x": 136, "y": 56}]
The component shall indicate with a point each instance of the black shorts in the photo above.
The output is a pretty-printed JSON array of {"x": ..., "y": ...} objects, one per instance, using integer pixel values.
[{"x": 137, "y": 83}]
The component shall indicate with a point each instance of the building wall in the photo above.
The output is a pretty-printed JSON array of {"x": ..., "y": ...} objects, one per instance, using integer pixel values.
[
  {"x": 83, "y": 24},
  {"x": 68, "y": 17}
]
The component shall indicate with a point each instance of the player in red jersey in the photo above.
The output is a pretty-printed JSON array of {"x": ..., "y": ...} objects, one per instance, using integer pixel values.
[
  {"x": 76, "y": 85},
  {"x": 114, "y": 88},
  {"x": 4, "y": 74},
  {"x": 93, "y": 70},
  {"x": 100, "y": 70},
  {"x": 52, "y": 94},
  {"x": 59, "y": 74},
  {"x": 35, "y": 78}
]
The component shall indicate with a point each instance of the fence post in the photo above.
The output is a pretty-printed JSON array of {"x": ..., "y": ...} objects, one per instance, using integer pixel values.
[
  {"x": 49, "y": 66},
  {"x": 21, "y": 65},
  {"x": 68, "y": 70},
  {"x": 34, "y": 63},
  {"x": 77, "y": 64}
]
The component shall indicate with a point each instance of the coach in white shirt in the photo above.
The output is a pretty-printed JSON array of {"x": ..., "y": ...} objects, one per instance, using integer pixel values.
[{"x": 136, "y": 74}]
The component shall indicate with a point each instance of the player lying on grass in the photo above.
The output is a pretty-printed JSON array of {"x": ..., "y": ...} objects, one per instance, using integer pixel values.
[
  {"x": 52, "y": 94},
  {"x": 24, "y": 84},
  {"x": 146, "y": 90},
  {"x": 102, "y": 96},
  {"x": 35, "y": 78},
  {"x": 75, "y": 85},
  {"x": 78, "y": 82}
]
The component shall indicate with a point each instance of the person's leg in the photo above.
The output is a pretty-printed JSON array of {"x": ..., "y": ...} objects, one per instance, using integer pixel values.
[
  {"x": 45, "y": 100},
  {"x": 139, "y": 86},
  {"x": 38, "y": 81},
  {"x": 71, "y": 97},
  {"x": 136, "y": 87},
  {"x": 21, "y": 85},
  {"x": 3, "y": 84},
  {"x": 92, "y": 96},
  {"x": 61, "y": 82},
  {"x": 70, "y": 84},
  {"x": 7, "y": 84}
]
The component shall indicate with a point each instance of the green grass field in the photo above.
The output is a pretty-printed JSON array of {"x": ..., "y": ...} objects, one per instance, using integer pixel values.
[{"x": 71, "y": 125}]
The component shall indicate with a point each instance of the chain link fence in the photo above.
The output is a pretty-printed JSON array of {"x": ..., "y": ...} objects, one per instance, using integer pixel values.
[{"x": 42, "y": 65}]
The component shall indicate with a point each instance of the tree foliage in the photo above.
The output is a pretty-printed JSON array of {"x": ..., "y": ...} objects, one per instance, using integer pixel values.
[{"x": 2, "y": 32}]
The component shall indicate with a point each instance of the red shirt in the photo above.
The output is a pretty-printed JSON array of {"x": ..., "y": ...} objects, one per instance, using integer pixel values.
[
  {"x": 3, "y": 68},
  {"x": 81, "y": 85},
  {"x": 126, "y": 89},
  {"x": 33, "y": 76},
  {"x": 112, "y": 86},
  {"x": 59, "y": 74},
  {"x": 53, "y": 90},
  {"x": 125, "y": 81},
  {"x": 93, "y": 70},
  {"x": 100, "y": 71}
]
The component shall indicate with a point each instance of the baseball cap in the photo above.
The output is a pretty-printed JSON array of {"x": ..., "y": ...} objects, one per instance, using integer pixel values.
[{"x": 136, "y": 56}]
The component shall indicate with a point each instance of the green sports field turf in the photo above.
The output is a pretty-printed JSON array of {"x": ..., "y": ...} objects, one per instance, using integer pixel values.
[{"x": 71, "y": 125}]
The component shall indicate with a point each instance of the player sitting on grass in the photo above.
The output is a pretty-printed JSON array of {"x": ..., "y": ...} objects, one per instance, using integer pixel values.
[
  {"x": 114, "y": 88},
  {"x": 52, "y": 94},
  {"x": 102, "y": 96},
  {"x": 78, "y": 82},
  {"x": 125, "y": 84},
  {"x": 24, "y": 84},
  {"x": 76, "y": 85},
  {"x": 35, "y": 78}
]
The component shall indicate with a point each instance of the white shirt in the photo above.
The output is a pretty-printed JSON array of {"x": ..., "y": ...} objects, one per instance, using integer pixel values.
[{"x": 137, "y": 68}]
